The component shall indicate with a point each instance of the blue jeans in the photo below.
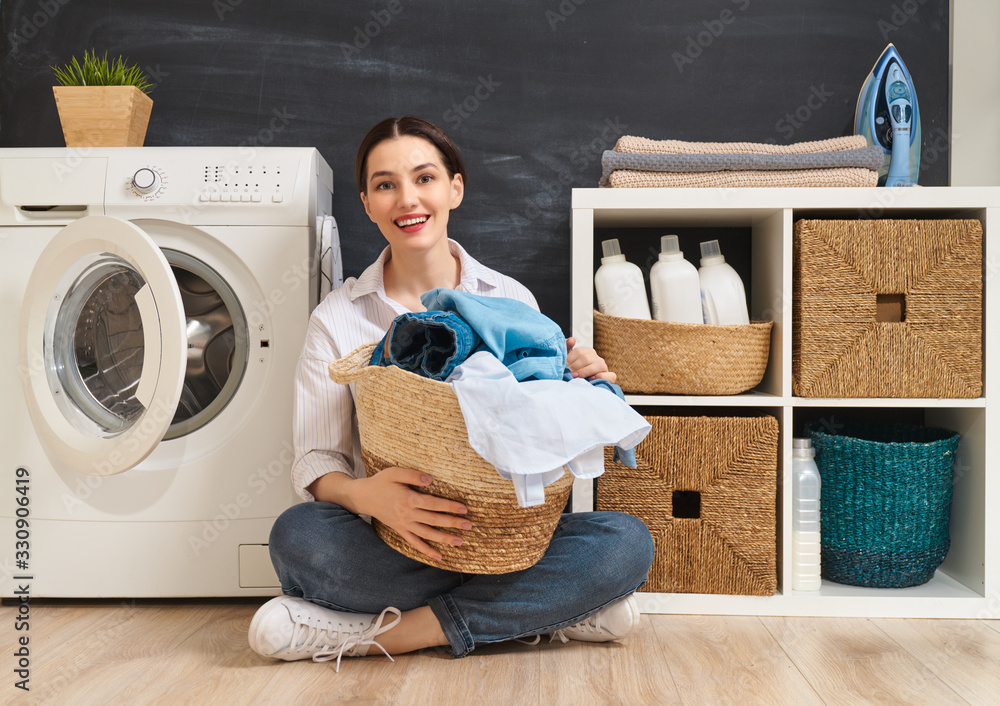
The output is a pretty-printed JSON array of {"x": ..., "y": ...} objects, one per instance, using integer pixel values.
[
  {"x": 333, "y": 558},
  {"x": 458, "y": 324},
  {"x": 429, "y": 343}
]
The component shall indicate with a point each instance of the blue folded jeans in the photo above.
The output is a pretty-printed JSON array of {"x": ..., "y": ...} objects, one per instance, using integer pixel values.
[
  {"x": 457, "y": 324},
  {"x": 428, "y": 343}
]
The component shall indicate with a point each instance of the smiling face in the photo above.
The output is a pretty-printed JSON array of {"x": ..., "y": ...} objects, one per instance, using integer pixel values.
[{"x": 410, "y": 193}]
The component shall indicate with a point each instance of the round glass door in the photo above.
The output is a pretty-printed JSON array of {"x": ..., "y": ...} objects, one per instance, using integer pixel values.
[
  {"x": 103, "y": 345},
  {"x": 97, "y": 347}
]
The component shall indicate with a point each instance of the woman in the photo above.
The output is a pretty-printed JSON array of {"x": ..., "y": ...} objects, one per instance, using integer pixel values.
[{"x": 341, "y": 581}]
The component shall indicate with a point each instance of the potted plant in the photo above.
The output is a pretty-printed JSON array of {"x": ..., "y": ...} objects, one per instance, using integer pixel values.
[{"x": 101, "y": 102}]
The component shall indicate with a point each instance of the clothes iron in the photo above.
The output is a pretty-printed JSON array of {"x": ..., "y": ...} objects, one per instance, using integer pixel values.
[{"x": 887, "y": 115}]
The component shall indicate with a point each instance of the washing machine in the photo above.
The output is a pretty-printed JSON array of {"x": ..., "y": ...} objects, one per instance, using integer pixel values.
[{"x": 153, "y": 304}]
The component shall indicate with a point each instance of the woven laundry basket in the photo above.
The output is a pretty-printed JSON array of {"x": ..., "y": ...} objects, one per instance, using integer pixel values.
[
  {"x": 886, "y": 507},
  {"x": 662, "y": 357},
  {"x": 706, "y": 489},
  {"x": 410, "y": 421},
  {"x": 887, "y": 308}
]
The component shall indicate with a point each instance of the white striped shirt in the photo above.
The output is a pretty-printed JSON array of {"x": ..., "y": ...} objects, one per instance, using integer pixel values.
[{"x": 324, "y": 422}]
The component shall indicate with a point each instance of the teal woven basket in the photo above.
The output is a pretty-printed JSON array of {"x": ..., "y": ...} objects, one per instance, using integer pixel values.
[{"x": 886, "y": 503}]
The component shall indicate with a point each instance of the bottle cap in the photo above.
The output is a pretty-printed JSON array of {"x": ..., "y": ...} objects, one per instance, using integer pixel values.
[
  {"x": 612, "y": 251},
  {"x": 670, "y": 248},
  {"x": 711, "y": 254},
  {"x": 802, "y": 447}
]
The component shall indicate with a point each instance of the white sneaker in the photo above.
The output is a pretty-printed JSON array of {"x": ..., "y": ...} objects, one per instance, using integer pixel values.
[
  {"x": 293, "y": 628},
  {"x": 612, "y": 623}
]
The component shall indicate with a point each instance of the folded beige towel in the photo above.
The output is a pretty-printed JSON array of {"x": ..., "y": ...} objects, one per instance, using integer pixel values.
[
  {"x": 639, "y": 145},
  {"x": 843, "y": 176}
]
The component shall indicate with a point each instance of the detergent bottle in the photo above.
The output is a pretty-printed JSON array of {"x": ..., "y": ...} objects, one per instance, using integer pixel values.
[
  {"x": 805, "y": 517},
  {"x": 621, "y": 289},
  {"x": 674, "y": 284},
  {"x": 723, "y": 298}
]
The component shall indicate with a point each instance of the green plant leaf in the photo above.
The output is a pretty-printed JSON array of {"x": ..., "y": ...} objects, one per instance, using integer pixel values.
[{"x": 99, "y": 71}]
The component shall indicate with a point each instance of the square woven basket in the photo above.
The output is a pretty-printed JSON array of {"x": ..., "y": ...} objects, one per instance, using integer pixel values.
[
  {"x": 706, "y": 489},
  {"x": 887, "y": 308}
]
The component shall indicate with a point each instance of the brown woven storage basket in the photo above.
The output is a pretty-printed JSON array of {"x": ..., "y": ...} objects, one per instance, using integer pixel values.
[
  {"x": 414, "y": 422},
  {"x": 887, "y": 308},
  {"x": 722, "y": 469},
  {"x": 662, "y": 357}
]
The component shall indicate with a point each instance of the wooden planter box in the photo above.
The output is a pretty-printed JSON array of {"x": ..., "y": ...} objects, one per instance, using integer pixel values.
[{"x": 103, "y": 116}]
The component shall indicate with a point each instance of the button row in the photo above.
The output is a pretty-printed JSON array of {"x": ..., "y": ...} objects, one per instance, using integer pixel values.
[{"x": 245, "y": 197}]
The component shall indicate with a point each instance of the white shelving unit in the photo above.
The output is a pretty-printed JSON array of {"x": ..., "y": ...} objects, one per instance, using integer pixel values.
[{"x": 967, "y": 585}]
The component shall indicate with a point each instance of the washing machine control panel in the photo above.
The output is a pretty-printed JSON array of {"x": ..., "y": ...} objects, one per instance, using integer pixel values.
[
  {"x": 214, "y": 185},
  {"x": 228, "y": 175},
  {"x": 247, "y": 181}
]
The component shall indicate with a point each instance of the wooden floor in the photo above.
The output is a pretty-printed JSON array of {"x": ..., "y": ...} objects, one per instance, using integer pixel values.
[{"x": 195, "y": 652}]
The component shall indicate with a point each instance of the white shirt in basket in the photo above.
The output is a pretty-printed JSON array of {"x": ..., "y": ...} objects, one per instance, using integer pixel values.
[{"x": 324, "y": 422}]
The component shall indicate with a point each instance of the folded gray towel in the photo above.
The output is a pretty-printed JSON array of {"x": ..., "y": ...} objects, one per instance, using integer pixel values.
[{"x": 866, "y": 157}]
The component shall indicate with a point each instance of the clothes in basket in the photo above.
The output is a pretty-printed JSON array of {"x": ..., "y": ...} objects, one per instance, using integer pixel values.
[
  {"x": 457, "y": 324},
  {"x": 531, "y": 430},
  {"x": 526, "y": 346}
]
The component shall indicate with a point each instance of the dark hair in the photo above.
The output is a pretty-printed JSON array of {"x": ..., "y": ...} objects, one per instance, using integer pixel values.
[{"x": 394, "y": 128}]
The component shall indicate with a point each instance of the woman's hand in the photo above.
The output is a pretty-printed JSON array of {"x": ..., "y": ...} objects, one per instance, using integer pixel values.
[
  {"x": 584, "y": 362},
  {"x": 389, "y": 497}
]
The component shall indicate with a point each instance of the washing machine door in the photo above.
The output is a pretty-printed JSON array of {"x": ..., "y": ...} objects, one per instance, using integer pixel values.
[{"x": 103, "y": 345}]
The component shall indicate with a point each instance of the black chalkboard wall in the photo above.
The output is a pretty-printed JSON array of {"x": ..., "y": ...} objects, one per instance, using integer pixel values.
[{"x": 532, "y": 91}]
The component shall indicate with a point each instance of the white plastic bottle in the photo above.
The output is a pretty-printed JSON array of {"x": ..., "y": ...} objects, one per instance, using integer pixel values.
[
  {"x": 805, "y": 517},
  {"x": 621, "y": 290},
  {"x": 723, "y": 299},
  {"x": 674, "y": 284}
]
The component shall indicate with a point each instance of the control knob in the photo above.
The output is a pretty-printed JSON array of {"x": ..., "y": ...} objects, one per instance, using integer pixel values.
[{"x": 146, "y": 181}]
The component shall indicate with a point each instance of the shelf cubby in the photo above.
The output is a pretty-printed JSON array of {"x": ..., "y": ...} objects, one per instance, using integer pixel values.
[{"x": 967, "y": 584}]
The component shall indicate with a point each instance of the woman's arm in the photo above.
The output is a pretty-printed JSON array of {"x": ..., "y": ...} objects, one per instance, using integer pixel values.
[{"x": 389, "y": 497}]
